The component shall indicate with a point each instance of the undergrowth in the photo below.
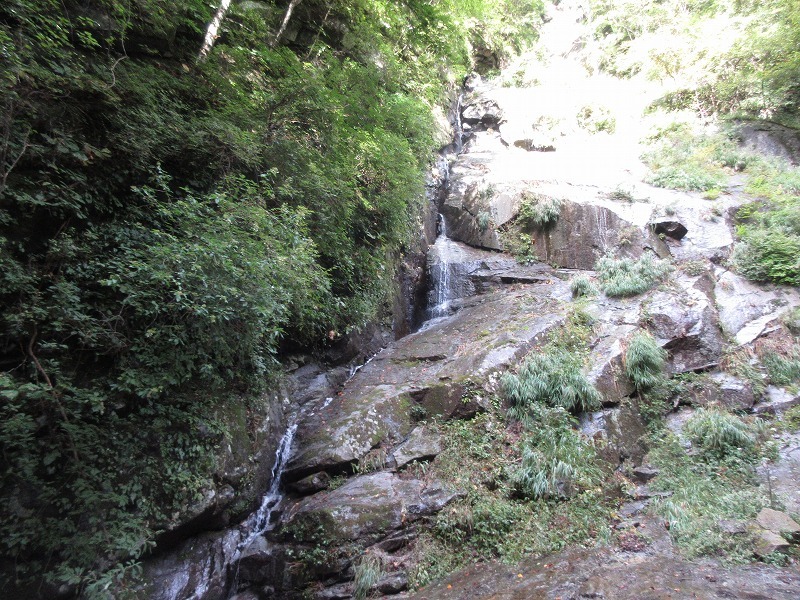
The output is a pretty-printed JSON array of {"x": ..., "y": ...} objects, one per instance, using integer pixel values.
[{"x": 717, "y": 484}]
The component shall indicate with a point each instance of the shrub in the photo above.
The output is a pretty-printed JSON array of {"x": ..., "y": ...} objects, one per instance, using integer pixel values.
[
  {"x": 768, "y": 254},
  {"x": 552, "y": 379},
  {"x": 582, "y": 286},
  {"x": 537, "y": 210},
  {"x": 644, "y": 361},
  {"x": 720, "y": 434},
  {"x": 596, "y": 119},
  {"x": 627, "y": 277}
]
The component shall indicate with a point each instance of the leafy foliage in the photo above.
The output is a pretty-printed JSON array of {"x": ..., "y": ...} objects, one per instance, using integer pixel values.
[
  {"x": 168, "y": 227},
  {"x": 628, "y": 277}
]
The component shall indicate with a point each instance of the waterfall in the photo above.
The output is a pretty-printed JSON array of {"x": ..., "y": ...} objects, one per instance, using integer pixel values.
[
  {"x": 440, "y": 265},
  {"x": 260, "y": 522}
]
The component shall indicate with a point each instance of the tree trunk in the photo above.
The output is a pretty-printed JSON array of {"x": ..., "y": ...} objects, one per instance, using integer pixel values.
[
  {"x": 213, "y": 28},
  {"x": 285, "y": 22}
]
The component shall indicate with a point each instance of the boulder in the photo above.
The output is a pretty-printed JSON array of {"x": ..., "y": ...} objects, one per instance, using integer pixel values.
[
  {"x": 686, "y": 323},
  {"x": 769, "y": 542},
  {"x": 777, "y": 402},
  {"x": 311, "y": 484},
  {"x": 393, "y": 583},
  {"x": 778, "y": 522},
  {"x": 364, "y": 509},
  {"x": 422, "y": 444},
  {"x": 746, "y": 309},
  {"x": 607, "y": 373},
  {"x": 483, "y": 111}
]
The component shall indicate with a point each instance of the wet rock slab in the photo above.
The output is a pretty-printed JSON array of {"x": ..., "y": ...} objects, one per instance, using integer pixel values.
[
  {"x": 430, "y": 369},
  {"x": 606, "y": 573},
  {"x": 365, "y": 508}
]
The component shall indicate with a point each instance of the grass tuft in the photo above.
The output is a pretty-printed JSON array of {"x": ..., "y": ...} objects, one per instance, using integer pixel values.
[
  {"x": 582, "y": 286},
  {"x": 368, "y": 572},
  {"x": 552, "y": 379},
  {"x": 627, "y": 277},
  {"x": 540, "y": 211},
  {"x": 644, "y": 361}
]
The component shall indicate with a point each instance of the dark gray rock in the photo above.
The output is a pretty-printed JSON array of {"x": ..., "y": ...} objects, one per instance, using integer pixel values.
[
  {"x": 668, "y": 227},
  {"x": 686, "y": 323},
  {"x": 393, "y": 584},
  {"x": 422, "y": 444},
  {"x": 364, "y": 509},
  {"x": 644, "y": 473},
  {"x": 311, "y": 484}
]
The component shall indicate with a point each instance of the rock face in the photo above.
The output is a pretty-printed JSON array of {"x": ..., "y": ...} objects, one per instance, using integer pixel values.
[
  {"x": 428, "y": 369},
  {"x": 365, "y": 509},
  {"x": 688, "y": 327},
  {"x": 606, "y": 573}
]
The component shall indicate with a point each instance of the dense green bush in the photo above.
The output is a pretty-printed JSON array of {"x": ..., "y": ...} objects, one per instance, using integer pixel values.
[
  {"x": 169, "y": 225},
  {"x": 628, "y": 277}
]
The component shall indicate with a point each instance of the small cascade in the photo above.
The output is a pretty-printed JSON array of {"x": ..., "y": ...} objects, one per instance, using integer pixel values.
[
  {"x": 260, "y": 522},
  {"x": 442, "y": 290}
]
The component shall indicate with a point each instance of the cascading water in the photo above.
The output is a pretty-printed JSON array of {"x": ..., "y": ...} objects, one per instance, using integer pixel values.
[
  {"x": 440, "y": 265},
  {"x": 260, "y": 522}
]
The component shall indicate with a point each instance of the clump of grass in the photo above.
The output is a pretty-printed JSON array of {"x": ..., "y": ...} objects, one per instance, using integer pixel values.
[
  {"x": 368, "y": 572},
  {"x": 782, "y": 370},
  {"x": 553, "y": 379},
  {"x": 556, "y": 460},
  {"x": 484, "y": 219},
  {"x": 694, "y": 268},
  {"x": 792, "y": 321},
  {"x": 540, "y": 211},
  {"x": 621, "y": 194},
  {"x": 627, "y": 277},
  {"x": 720, "y": 434},
  {"x": 582, "y": 286},
  {"x": 644, "y": 361}
]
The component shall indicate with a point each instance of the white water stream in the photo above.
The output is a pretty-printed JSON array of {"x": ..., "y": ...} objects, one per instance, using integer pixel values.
[{"x": 443, "y": 291}]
